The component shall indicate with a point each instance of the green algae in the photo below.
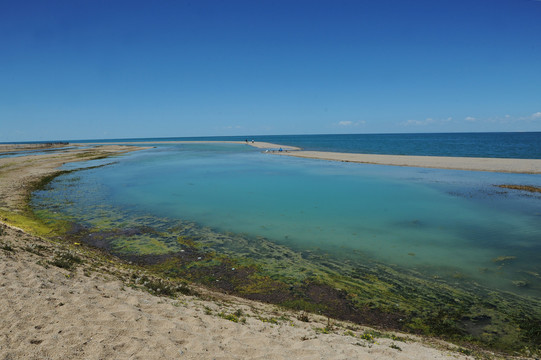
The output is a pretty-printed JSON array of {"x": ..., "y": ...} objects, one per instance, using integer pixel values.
[
  {"x": 527, "y": 188},
  {"x": 33, "y": 223}
]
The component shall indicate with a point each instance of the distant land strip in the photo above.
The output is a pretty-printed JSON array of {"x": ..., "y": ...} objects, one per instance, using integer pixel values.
[
  {"x": 257, "y": 144},
  {"x": 505, "y": 165},
  {"x": 521, "y": 166}
]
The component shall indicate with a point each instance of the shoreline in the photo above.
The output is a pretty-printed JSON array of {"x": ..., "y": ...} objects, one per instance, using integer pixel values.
[
  {"x": 96, "y": 306},
  {"x": 256, "y": 144},
  {"x": 503, "y": 165},
  {"x": 20, "y": 174},
  {"x": 99, "y": 308},
  {"x": 507, "y": 165}
]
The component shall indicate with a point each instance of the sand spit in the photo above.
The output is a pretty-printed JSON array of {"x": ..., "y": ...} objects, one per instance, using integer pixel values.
[
  {"x": 256, "y": 144},
  {"x": 527, "y": 166},
  {"x": 26, "y": 147},
  {"x": 90, "y": 312},
  {"x": 18, "y": 174}
]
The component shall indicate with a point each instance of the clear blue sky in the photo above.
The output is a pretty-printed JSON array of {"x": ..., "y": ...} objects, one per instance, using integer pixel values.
[{"x": 86, "y": 69}]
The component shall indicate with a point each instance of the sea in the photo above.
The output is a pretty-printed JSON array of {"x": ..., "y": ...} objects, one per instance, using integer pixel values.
[
  {"x": 446, "y": 224},
  {"x": 516, "y": 145}
]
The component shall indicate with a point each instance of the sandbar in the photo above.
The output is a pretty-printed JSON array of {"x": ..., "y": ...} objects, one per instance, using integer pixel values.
[
  {"x": 505, "y": 165},
  {"x": 256, "y": 144},
  {"x": 525, "y": 166}
]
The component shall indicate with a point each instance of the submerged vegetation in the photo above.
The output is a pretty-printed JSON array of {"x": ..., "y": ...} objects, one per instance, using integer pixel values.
[
  {"x": 527, "y": 188},
  {"x": 351, "y": 286}
]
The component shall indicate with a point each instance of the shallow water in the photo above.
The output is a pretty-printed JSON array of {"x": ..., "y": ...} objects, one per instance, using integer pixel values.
[{"x": 443, "y": 223}]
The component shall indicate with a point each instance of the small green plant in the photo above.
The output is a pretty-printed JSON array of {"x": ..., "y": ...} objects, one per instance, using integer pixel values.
[
  {"x": 66, "y": 260},
  {"x": 35, "y": 249},
  {"x": 397, "y": 338},
  {"x": 464, "y": 351},
  {"x": 324, "y": 330},
  {"x": 158, "y": 287},
  {"x": 396, "y": 347},
  {"x": 179, "y": 303},
  {"x": 185, "y": 290},
  {"x": 231, "y": 317},
  {"x": 369, "y": 336},
  {"x": 270, "y": 320},
  {"x": 349, "y": 333},
  {"x": 283, "y": 318},
  {"x": 7, "y": 247},
  {"x": 303, "y": 317}
]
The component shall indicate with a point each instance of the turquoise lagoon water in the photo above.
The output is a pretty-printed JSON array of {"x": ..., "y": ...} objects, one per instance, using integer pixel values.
[{"x": 444, "y": 223}]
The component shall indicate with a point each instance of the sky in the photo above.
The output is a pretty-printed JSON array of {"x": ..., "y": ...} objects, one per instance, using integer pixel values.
[{"x": 92, "y": 69}]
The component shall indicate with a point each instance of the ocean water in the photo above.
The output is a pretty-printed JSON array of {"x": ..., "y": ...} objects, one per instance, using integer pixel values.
[
  {"x": 524, "y": 145},
  {"x": 441, "y": 223}
]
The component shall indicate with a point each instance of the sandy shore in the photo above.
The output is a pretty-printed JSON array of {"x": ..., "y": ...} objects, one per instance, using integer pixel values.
[
  {"x": 18, "y": 174},
  {"x": 26, "y": 147},
  {"x": 94, "y": 312},
  {"x": 101, "y": 309},
  {"x": 527, "y": 166}
]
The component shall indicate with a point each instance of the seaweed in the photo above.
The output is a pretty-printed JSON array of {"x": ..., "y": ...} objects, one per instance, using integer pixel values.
[{"x": 66, "y": 260}]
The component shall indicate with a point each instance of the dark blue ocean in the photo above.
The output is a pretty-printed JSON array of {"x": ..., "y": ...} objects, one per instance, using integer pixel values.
[{"x": 517, "y": 145}]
